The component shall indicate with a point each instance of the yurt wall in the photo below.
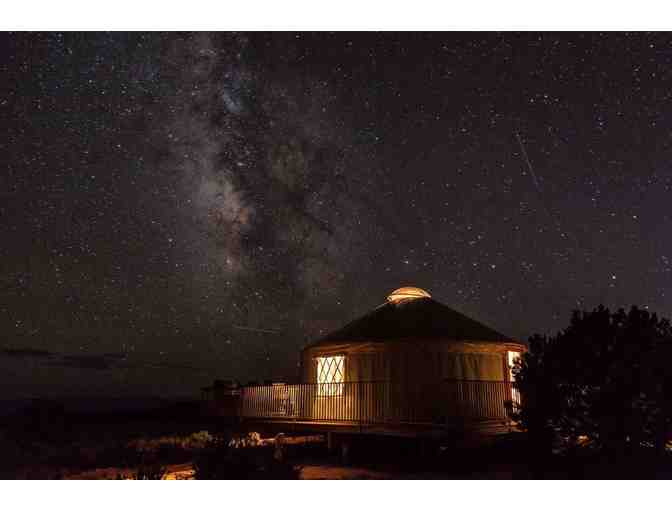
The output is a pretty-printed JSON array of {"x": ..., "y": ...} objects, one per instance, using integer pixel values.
[
  {"x": 411, "y": 380},
  {"x": 402, "y": 363}
]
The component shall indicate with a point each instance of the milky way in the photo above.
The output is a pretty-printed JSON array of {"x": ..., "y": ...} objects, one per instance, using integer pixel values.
[{"x": 184, "y": 207}]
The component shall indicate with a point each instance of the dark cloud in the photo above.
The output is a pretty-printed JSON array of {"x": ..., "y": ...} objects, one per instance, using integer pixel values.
[
  {"x": 115, "y": 361},
  {"x": 106, "y": 361},
  {"x": 26, "y": 353},
  {"x": 93, "y": 362}
]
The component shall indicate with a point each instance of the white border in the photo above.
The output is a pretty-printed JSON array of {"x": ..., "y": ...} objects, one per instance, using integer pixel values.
[
  {"x": 336, "y": 15},
  {"x": 278, "y": 495}
]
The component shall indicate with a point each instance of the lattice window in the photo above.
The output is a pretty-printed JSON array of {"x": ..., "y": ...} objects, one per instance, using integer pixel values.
[{"x": 330, "y": 375}]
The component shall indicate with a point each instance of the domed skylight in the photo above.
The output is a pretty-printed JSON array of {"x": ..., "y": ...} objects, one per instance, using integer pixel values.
[{"x": 407, "y": 293}]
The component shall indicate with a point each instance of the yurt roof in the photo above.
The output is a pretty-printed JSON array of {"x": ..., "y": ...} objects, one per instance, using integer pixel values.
[{"x": 411, "y": 313}]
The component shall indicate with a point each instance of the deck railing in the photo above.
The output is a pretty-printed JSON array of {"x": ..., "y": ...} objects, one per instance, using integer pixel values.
[{"x": 377, "y": 402}]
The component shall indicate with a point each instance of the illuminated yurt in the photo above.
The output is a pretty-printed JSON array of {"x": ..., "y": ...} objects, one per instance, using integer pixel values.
[{"x": 412, "y": 358}]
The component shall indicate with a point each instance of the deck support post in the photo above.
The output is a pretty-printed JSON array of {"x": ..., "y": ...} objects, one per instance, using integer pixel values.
[
  {"x": 345, "y": 451},
  {"x": 279, "y": 453}
]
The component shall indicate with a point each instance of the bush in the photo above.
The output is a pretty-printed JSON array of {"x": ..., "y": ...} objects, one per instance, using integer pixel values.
[
  {"x": 223, "y": 460},
  {"x": 602, "y": 383}
]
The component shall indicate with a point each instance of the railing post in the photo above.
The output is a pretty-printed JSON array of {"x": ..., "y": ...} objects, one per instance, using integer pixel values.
[{"x": 359, "y": 404}]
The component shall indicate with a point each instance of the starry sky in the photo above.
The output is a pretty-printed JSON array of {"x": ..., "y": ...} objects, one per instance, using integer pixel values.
[{"x": 179, "y": 207}]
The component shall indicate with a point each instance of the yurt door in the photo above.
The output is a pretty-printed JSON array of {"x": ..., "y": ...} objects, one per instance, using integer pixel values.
[{"x": 512, "y": 358}]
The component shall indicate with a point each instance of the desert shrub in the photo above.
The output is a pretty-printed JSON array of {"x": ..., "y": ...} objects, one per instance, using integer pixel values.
[
  {"x": 225, "y": 459},
  {"x": 197, "y": 440},
  {"x": 243, "y": 441}
]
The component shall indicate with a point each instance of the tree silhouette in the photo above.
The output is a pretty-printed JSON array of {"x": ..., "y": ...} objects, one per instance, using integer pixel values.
[{"x": 603, "y": 382}]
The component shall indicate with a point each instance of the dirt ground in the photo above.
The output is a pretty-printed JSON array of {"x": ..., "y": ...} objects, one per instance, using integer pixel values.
[
  {"x": 186, "y": 472},
  {"x": 316, "y": 471}
]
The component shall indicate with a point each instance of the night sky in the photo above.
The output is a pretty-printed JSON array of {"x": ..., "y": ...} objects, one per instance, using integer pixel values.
[{"x": 180, "y": 207}]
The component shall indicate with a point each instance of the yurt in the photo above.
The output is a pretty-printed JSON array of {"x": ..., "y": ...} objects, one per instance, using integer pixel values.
[{"x": 412, "y": 359}]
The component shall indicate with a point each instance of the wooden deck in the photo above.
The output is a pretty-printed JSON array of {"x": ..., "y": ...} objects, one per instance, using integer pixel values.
[
  {"x": 410, "y": 430},
  {"x": 379, "y": 407}
]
